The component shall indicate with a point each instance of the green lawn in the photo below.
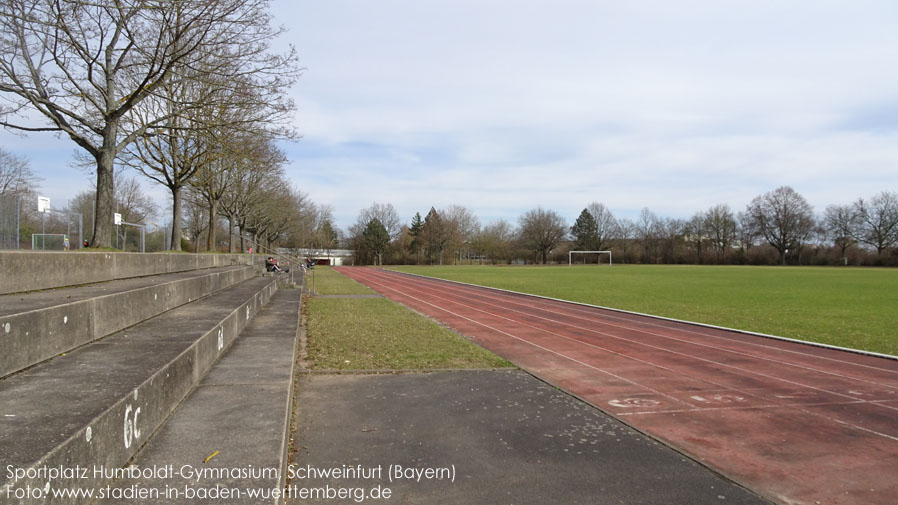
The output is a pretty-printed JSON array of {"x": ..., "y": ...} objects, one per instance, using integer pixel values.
[
  {"x": 378, "y": 334},
  {"x": 329, "y": 282},
  {"x": 849, "y": 307}
]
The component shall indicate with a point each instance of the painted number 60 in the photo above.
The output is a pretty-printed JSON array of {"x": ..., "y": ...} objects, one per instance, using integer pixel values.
[{"x": 131, "y": 431}]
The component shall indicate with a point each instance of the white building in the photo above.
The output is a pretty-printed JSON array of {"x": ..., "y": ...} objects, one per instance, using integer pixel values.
[{"x": 335, "y": 257}]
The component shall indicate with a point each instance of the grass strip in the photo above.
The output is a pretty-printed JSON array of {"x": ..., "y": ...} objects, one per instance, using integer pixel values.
[
  {"x": 379, "y": 334},
  {"x": 330, "y": 282},
  {"x": 847, "y": 307}
]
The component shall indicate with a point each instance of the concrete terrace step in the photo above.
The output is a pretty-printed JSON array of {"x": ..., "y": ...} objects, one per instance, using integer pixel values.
[
  {"x": 39, "y": 325},
  {"x": 29, "y": 270},
  {"x": 240, "y": 413},
  {"x": 95, "y": 406}
]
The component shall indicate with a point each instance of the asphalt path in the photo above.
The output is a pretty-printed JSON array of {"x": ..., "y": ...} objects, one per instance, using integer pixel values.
[{"x": 481, "y": 437}]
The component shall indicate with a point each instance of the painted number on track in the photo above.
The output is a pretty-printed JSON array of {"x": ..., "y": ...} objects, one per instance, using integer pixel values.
[
  {"x": 724, "y": 398},
  {"x": 628, "y": 403}
]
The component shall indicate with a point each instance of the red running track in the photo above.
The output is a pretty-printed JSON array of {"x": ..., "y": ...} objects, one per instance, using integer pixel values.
[{"x": 796, "y": 423}]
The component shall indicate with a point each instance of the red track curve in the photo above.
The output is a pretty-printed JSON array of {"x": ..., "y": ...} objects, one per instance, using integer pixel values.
[{"x": 798, "y": 424}]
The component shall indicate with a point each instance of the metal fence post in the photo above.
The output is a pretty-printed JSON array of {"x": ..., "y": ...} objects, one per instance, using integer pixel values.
[{"x": 18, "y": 224}]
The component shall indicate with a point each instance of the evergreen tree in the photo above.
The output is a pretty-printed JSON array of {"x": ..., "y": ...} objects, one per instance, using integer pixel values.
[
  {"x": 586, "y": 237},
  {"x": 415, "y": 231},
  {"x": 434, "y": 235},
  {"x": 376, "y": 239}
]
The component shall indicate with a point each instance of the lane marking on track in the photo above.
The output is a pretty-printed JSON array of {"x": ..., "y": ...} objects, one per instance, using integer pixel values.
[
  {"x": 656, "y": 347},
  {"x": 614, "y": 375},
  {"x": 585, "y": 308},
  {"x": 634, "y": 402},
  {"x": 537, "y": 345},
  {"x": 742, "y": 354}
]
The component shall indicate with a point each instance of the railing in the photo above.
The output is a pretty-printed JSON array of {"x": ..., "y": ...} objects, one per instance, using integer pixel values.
[{"x": 257, "y": 247}]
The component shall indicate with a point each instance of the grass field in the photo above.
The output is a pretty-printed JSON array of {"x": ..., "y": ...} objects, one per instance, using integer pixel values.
[
  {"x": 378, "y": 334},
  {"x": 329, "y": 282},
  {"x": 848, "y": 307}
]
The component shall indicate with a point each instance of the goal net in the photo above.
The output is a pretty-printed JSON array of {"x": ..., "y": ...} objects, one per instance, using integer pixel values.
[
  {"x": 50, "y": 242},
  {"x": 599, "y": 255}
]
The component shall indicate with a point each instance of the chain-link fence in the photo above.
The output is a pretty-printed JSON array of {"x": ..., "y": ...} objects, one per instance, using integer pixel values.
[
  {"x": 131, "y": 237},
  {"x": 10, "y": 215},
  {"x": 20, "y": 220},
  {"x": 60, "y": 222}
]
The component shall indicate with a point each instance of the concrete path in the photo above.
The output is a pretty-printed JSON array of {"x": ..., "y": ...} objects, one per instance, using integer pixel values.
[
  {"x": 481, "y": 437},
  {"x": 226, "y": 443}
]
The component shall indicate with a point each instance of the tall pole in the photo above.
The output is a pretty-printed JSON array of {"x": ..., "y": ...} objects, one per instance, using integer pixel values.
[{"x": 18, "y": 205}]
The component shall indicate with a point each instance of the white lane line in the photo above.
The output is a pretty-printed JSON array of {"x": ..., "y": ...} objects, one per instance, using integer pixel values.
[
  {"x": 537, "y": 345},
  {"x": 590, "y": 309},
  {"x": 656, "y": 347},
  {"x": 597, "y": 319}
]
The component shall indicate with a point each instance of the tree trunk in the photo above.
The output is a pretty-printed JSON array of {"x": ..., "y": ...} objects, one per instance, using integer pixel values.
[
  {"x": 175, "y": 218},
  {"x": 230, "y": 235},
  {"x": 103, "y": 211},
  {"x": 210, "y": 242}
]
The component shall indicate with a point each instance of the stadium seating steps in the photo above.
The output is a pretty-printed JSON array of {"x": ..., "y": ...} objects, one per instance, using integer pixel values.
[{"x": 116, "y": 360}]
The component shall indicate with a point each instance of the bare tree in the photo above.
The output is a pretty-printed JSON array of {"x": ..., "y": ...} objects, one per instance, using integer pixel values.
[
  {"x": 285, "y": 216},
  {"x": 211, "y": 183},
  {"x": 746, "y": 232},
  {"x": 383, "y": 212},
  {"x": 720, "y": 226},
  {"x": 196, "y": 220},
  {"x": 131, "y": 202},
  {"x": 606, "y": 225},
  {"x": 648, "y": 233},
  {"x": 16, "y": 176},
  {"x": 625, "y": 233},
  {"x": 783, "y": 217},
  {"x": 541, "y": 231},
  {"x": 878, "y": 220},
  {"x": 84, "y": 67},
  {"x": 249, "y": 182},
  {"x": 670, "y": 231},
  {"x": 494, "y": 240},
  {"x": 232, "y": 117},
  {"x": 461, "y": 225},
  {"x": 696, "y": 236},
  {"x": 841, "y": 225}
]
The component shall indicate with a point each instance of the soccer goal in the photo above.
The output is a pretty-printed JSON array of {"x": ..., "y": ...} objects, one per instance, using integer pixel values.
[
  {"x": 51, "y": 241},
  {"x": 570, "y": 256}
]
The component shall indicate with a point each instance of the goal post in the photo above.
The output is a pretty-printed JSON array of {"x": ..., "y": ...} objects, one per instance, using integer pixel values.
[{"x": 570, "y": 255}]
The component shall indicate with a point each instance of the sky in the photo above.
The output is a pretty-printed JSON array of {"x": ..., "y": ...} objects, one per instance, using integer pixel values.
[{"x": 502, "y": 106}]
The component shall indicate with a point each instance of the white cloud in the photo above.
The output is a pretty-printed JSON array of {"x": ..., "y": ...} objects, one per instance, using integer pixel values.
[{"x": 502, "y": 106}]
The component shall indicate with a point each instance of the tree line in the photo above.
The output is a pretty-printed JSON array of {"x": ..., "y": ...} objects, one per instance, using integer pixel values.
[
  {"x": 777, "y": 227},
  {"x": 187, "y": 93},
  {"x": 255, "y": 200}
]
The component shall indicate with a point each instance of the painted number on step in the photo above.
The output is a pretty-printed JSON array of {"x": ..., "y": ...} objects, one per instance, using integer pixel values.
[{"x": 132, "y": 432}]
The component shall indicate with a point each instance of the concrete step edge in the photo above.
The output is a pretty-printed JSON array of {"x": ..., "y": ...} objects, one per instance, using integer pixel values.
[
  {"x": 27, "y": 339},
  {"x": 195, "y": 430},
  {"x": 112, "y": 437}
]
